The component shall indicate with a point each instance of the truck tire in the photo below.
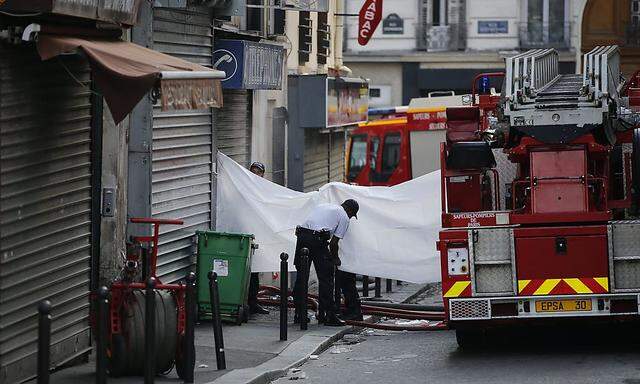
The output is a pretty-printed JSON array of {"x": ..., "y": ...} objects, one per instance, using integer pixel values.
[{"x": 469, "y": 339}]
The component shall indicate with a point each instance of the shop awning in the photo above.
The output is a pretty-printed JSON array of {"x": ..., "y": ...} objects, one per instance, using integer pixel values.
[{"x": 124, "y": 72}]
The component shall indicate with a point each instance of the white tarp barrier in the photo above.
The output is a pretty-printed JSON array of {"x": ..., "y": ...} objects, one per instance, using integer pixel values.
[{"x": 394, "y": 236}]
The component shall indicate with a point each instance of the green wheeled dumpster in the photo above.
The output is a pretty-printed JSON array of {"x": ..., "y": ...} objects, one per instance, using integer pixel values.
[{"x": 229, "y": 255}]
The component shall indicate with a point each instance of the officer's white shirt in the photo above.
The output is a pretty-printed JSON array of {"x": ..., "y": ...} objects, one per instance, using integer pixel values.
[{"x": 329, "y": 217}]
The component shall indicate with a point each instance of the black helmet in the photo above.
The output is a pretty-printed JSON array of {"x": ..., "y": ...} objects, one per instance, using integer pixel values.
[{"x": 258, "y": 165}]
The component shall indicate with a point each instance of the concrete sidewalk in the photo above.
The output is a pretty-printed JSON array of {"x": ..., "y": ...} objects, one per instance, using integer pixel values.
[{"x": 253, "y": 351}]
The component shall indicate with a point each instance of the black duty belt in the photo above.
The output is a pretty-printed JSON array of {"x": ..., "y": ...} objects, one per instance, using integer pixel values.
[{"x": 323, "y": 235}]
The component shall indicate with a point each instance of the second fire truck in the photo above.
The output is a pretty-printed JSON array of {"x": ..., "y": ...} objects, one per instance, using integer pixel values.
[{"x": 538, "y": 207}]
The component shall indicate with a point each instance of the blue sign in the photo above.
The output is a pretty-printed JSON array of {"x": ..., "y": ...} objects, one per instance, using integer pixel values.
[
  {"x": 249, "y": 65},
  {"x": 493, "y": 26},
  {"x": 228, "y": 56}
]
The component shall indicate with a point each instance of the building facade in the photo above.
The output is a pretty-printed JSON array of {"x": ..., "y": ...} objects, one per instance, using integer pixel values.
[{"x": 427, "y": 46}]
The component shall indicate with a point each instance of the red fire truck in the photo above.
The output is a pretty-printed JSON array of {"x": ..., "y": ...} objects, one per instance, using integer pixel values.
[
  {"x": 405, "y": 142},
  {"x": 401, "y": 145},
  {"x": 539, "y": 203}
]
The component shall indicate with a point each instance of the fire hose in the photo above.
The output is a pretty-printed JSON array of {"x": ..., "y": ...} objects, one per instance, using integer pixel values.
[{"x": 434, "y": 319}]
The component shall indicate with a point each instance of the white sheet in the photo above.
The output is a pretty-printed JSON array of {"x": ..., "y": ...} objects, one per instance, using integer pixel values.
[{"x": 394, "y": 236}]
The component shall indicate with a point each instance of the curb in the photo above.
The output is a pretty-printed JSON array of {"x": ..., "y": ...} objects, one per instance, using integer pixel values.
[{"x": 280, "y": 365}]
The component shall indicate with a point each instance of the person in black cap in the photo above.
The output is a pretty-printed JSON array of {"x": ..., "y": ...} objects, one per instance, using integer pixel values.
[
  {"x": 254, "y": 284},
  {"x": 320, "y": 234}
]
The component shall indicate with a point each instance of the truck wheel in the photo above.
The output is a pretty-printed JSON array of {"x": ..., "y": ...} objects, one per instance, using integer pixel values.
[{"x": 470, "y": 338}]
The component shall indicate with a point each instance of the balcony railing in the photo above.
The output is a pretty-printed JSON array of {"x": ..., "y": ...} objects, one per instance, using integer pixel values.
[
  {"x": 439, "y": 38},
  {"x": 545, "y": 35}
]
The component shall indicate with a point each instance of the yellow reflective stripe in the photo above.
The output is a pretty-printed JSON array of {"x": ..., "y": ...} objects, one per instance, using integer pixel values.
[
  {"x": 603, "y": 281},
  {"x": 547, "y": 287},
  {"x": 457, "y": 288},
  {"x": 577, "y": 285},
  {"x": 522, "y": 284}
]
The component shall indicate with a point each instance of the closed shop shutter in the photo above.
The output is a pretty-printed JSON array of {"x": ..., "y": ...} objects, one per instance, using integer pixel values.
[
  {"x": 337, "y": 156},
  {"x": 233, "y": 125},
  {"x": 45, "y": 207},
  {"x": 316, "y": 160},
  {"x": 182, "y": 146}
]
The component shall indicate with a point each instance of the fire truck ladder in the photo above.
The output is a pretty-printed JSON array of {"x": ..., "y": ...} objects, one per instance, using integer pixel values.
[{"x": 536, "y": 94}]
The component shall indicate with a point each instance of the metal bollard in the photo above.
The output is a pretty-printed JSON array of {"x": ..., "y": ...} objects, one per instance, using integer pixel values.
[
  {"x": 284, "y": 295},
  {"x": 305, "y": 289},
  {"x": 378, "y": 287},
  {"x": 389, "y": 285},
  {"x": 365, "y": 286},
  {"x": 102, "y": 320},
  {"x": 44, "y": 340},
  {"x": 189, "y": 332},
  {"x": 216, "y": 320},
  {"x": 150, "y": 332}
]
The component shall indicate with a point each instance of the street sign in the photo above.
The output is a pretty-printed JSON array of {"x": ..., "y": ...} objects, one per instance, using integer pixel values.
[{"x": 369, "y": 18}]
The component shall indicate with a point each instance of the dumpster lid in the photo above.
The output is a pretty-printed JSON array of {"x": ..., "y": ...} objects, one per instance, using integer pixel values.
[{"x": 230, "y": 234}]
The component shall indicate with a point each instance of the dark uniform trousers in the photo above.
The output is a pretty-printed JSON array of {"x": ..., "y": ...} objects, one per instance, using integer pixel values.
[
  {"x": 254, "y": 287},
  {"x": 318, "y": 245},
  {"x": 346, "y": 284}
]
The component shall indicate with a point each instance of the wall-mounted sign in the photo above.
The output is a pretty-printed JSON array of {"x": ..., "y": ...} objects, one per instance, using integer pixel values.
[
  {"x": 368, "y": 20},
  {"x": 118, "y": 11},
  {"x": 393, "y": 25},
  {"x": 249, "y": 65},
  {"x": 493, "y": 26},
  {"x": 347, "y": 101}
]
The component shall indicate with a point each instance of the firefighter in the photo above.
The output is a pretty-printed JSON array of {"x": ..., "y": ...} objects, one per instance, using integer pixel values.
[
  {"x": 320, "y": 234},
  {"x": 254, "y": 285}
]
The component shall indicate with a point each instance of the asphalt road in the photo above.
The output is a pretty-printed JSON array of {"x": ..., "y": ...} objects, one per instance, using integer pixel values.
[{"x": 545, "y": 355}]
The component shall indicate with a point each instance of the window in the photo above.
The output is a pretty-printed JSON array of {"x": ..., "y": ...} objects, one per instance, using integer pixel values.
[
  {"x": 373, "y": 153},
  {"x": 439, "y": 14},
  {"x": 546, "y": 21},
  {"x": 391, "y": 153},
  {"x": 357, "y": 156},
  {"x": 374, "y": 92},
  {"x": 255, "y": 15},
  {"x": 635, "y": 12}
]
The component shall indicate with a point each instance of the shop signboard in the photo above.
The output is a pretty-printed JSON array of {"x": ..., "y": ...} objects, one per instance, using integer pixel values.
[
  {"x": 347, "y": 101},
  {"x": 248, "y": 64}
]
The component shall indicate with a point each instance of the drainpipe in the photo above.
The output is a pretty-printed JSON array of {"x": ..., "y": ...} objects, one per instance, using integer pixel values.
[{"x": 339, "y": 35}]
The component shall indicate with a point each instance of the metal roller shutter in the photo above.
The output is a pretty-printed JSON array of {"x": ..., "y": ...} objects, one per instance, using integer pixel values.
[
  {"x": 182, "y": 146},
  {"x": 233, "y": 125},
  {"x": 337, "y": 156},
  {"x": 45, "y": 207},
  {"x": 316, "y": 160}
]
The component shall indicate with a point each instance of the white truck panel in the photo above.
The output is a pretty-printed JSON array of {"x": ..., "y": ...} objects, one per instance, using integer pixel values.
[{"x": 425, "y": 151}]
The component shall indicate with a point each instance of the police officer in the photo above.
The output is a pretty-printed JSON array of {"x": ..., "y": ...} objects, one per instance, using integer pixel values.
[
  {"x": 254, "y": 284},
  {"x": 320, "y": 234}
]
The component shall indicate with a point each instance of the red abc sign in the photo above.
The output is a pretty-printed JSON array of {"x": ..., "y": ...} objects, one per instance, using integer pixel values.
[{"x": 369, "y": 18}]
